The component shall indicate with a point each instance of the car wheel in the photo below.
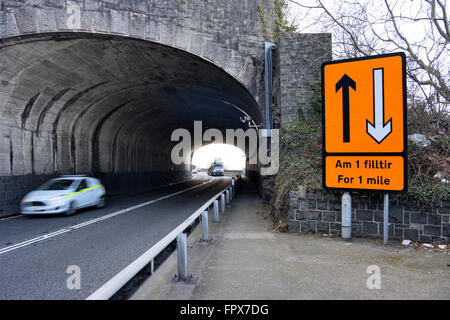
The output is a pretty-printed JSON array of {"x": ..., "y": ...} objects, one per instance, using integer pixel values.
[
  {"x": 71, "y": 211},
  {"x": 101, "y": 202}
]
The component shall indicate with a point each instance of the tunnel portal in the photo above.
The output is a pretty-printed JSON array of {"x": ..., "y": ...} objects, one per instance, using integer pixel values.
[{"x": 106, "y": 106}]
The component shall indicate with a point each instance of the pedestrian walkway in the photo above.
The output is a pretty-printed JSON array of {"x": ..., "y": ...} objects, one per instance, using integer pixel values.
[{"x": 245, "y": 260}]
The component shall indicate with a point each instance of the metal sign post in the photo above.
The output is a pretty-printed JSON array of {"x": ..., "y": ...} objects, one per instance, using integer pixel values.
[
  {"x": 364, "y": 137},
  {"x": 346, "y": 216},
  {"x": 386, "y": 218}
]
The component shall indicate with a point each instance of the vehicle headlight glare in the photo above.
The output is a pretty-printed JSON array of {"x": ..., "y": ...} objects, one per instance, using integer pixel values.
[{"x": 55, "y": 198}]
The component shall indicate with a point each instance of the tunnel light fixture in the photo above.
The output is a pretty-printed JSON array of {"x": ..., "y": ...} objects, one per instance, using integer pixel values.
[{"x": 245, "y": 118}]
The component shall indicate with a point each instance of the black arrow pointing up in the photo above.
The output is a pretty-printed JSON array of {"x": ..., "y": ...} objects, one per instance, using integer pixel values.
[{"x": 345, "y": 82}]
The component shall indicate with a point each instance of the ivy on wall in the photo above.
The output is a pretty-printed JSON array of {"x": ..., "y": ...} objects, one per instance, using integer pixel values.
[{"x": 281, "y": 26}]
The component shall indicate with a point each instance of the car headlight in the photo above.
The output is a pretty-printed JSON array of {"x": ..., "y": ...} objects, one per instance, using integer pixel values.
[
  {"x": 56, "y": 198},
  {"x": 25, "y": 200}
]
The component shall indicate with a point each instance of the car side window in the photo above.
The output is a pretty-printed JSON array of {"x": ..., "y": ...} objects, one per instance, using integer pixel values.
[
  {"x": 82, "y": 185},
  {"x": 90, "y": 182}
]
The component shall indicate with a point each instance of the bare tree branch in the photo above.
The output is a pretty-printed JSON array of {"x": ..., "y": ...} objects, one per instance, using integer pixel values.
[{"x": 363, "y": 27}]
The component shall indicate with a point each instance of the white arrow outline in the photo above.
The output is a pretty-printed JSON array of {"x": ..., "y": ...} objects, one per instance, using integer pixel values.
[{"x": 381, "y": 130}]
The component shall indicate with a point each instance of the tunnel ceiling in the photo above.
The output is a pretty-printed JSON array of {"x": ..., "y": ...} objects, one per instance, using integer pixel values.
[{"x": 79, "y": 103}]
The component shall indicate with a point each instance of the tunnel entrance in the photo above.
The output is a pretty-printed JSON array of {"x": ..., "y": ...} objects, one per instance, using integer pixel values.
[
  {"x": 105, "y": 106},
  {"x": 230, "y": 157}
]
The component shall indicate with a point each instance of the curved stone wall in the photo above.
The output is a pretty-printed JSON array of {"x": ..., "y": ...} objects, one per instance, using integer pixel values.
[{"x": 98, "y": 87}]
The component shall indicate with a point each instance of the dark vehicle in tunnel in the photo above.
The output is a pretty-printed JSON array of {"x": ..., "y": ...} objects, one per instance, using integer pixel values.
[
  {"x": 65, "y": 194},
  {"x": 216, "y": 170}
]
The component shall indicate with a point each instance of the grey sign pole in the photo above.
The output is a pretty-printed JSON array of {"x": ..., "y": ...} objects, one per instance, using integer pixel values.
[
  {"x": 346, "y": 216},
  {"x": 386, "y": 218}
]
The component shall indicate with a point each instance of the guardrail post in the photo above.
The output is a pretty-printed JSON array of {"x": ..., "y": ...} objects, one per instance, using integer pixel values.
[
  {"x": 231, "y": 193},
  {"x": 205, "y": 226},
  {"x": 182, "y": 256},
  {"x": 227, "y": 196},
  {"x": 222, "y": 202},
  {"x": 216, "y": 211}
]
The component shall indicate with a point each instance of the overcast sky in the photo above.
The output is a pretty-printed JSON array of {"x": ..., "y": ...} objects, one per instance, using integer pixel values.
[{"x": 307, "y": 20}]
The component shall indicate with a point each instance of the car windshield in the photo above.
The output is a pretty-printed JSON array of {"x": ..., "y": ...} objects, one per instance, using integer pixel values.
[
  {"x": 218, "y": 167},
  {"x": 60, "y": 184}
]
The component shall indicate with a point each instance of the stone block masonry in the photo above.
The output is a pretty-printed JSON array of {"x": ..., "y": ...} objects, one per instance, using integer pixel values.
[
  {"x": 96, "y": 86},
  {"x": 321, "y": 213},
  {"x": 14, "y": 188},
  {"x": 299, "y": 57}
]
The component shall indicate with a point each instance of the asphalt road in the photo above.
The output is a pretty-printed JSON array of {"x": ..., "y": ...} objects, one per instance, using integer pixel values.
[{"x": 110, "y": 239}]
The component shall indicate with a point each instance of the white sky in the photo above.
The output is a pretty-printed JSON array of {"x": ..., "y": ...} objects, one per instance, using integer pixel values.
[
  {"x": 414, "y": 30},
  {"x": 232, "y": 157},
  {"x": 418, "y": 30},
  {"x": 307, "y": 19}
]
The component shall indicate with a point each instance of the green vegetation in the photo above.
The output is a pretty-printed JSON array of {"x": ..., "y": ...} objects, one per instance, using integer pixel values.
[
  {"x": 427, "y": 166},
  {"x": 264, "y": 22},
  {"x": 281, "y": 24},
  {"x": 300, "y": 155}
]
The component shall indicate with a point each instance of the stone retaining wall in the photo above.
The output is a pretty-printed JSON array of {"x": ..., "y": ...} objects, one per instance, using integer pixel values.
[{"x": 321, "y": 213}]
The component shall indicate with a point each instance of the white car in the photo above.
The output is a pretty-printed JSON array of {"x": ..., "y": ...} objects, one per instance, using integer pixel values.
[{"x": 65, "y": 194}]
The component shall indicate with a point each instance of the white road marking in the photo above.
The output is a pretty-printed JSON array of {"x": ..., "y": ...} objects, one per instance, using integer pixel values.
[
  {"x": 13, "y": 217},
  {"x": 159, "y": 187},
  {"x": 89, "y": 222}
]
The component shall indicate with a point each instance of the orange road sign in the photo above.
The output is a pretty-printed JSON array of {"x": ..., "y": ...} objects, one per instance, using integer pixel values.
[{"x": 364, "y": 124}]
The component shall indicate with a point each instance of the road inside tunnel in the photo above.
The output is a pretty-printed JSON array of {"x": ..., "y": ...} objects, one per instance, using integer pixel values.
[
  {"x": 105, "y": 106},
  {"x": 100, "y": 249}
]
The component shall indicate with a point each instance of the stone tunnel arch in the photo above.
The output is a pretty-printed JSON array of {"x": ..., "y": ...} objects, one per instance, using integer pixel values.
[
  {"x": 37, "y": 118},
  {"x": 106, "y": 105},
  {"x": 226, "y": 33}
]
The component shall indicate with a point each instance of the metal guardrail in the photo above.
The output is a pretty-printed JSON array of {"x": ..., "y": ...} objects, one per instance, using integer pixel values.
[{"x": 119, "y": 280}]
